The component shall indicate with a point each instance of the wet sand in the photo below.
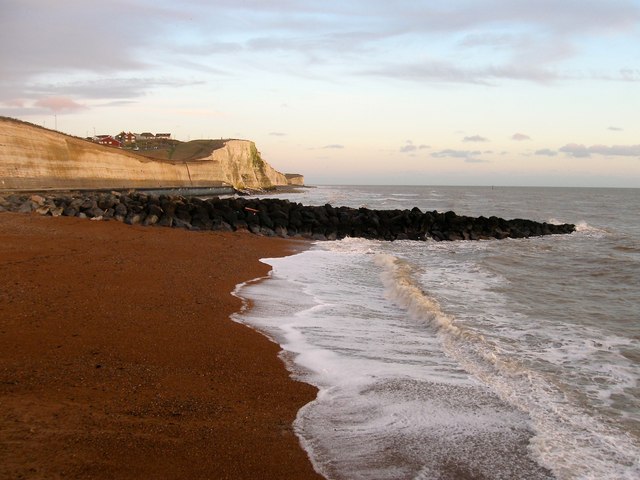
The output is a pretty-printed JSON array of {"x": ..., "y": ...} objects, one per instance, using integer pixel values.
[{"x": 118, "y": 358}]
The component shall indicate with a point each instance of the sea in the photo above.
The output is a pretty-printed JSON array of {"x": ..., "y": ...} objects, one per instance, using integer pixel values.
[{"x": 494, "y": 359}]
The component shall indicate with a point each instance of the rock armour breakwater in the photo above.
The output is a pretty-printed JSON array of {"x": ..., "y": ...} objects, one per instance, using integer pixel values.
[{"x": 275, "y": 217}]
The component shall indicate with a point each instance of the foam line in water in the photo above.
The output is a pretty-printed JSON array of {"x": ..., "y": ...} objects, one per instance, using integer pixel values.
[
  {"x": 590, "y": 230},
  {"x": 402, "y": 288},
  {"x": 572, "y": 443},
  {"x": 390, "y": 405}
]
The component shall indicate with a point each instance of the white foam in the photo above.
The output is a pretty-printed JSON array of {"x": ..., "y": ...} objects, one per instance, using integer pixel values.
[
  {"x": 391, "y": 403},
  {"x": 401, "y": 359},
  {"x": 589, "y": 230},
  {"x": 572, "y": 442}
]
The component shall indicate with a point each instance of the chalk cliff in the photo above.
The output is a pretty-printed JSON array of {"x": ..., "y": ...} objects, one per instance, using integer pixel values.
[
  {"x": 34, "y": 158},
  {"x": 295, "y": 179}
]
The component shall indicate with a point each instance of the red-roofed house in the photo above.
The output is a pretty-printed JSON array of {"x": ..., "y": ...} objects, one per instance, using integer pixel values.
[
  {"x": 109, "y": 141},
  {"x": 126, "y": 138}
]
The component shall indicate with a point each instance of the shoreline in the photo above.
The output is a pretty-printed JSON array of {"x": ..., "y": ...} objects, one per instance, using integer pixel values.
[{"x": 119, "y": 359}]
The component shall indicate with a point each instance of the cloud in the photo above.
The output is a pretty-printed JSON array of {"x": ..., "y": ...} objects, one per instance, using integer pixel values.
[
  {"x": 508, "y": 40},
  {"x": 623, "y": 75},
  {"x": 469, "y": 156},
  {"x": 60, "y": 104},
  {"x": 615, "y": 129},
  {"x": 444, "y": 71},
  {"x": 475, "y": 138},
  {"x": 117, "y": 103},
  {"x": 15, "y": 102},
  {"x": 45, "y": 59},
  {"x": 575, "y": 150},
  {"x": 42, "y": 43},
  {"x": 409, "y": 147},
  {"x": 490, "y": 39},
  {"x": 494, "y": 41},
  {"x": 519, "y": 137},
  {"x": 581, "y": 151},
  {"x": 629, "y": 75},
  {"x": 277, "y": 134},
  {"x": 555, "y": 17},
  {"x": 451, "y": 153},
  {"x": 546, "y": 152},
  {"x": 115, "y": 88},
  {"x": 616, "y": 150},
  {"x": 543, "y": 72},
  {"x": 335, "y": 146}
]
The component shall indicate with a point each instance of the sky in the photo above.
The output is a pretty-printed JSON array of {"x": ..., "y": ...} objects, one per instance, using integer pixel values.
[{"x": 455, "y": 92}]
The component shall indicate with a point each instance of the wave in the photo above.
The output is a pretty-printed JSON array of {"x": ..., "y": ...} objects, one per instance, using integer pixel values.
[
  {"x": 404, "y": 290},
  {"x": 568, "y": 440},
  {"x": 590, "y": 230},
  {"x": 627, "y": 248},
  {"x": 394, "y": 199}
]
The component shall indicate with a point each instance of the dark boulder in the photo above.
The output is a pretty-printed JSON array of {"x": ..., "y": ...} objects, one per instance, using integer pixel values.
[{"x": 270, "y": 217}]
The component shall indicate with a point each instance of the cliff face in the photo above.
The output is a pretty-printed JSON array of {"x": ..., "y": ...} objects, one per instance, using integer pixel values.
[
  {"x": 295, "y": 179},
  {"x": 33, "y": 158},
  {"x": 239, "y": 164}
]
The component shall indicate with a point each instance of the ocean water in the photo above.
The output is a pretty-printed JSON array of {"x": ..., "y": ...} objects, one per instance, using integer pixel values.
[{"x": 510, "y": 359}]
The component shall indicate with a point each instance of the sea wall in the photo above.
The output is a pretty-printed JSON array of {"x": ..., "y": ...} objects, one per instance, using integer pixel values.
[
  {"x": 271, "y": 217},
  {"x": 34, "y": 158}
]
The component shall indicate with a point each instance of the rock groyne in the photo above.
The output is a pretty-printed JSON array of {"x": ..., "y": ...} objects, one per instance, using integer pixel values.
[{"x": 271, "y": 217}]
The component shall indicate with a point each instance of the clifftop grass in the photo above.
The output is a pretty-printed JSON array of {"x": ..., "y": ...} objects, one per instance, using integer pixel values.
[{"x": 177, "y": 151}]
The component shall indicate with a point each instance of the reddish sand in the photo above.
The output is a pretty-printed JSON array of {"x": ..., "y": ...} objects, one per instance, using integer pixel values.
[{"x": 118, "y": 359}]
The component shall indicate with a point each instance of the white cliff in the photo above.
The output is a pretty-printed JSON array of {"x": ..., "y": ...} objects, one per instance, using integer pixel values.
[{"x": 34, "y": 158}]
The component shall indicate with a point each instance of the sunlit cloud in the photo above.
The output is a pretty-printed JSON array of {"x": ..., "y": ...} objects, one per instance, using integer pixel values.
[
  {"x": 60, "y": 104},
  {"x": 15, "y": 102}
]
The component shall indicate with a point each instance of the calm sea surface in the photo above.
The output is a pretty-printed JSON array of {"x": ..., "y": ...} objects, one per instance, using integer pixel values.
[{"x": 492, "y": 359}]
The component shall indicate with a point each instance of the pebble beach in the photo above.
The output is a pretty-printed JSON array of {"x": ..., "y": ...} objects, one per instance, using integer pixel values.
[{"x": 118, "y": 358}]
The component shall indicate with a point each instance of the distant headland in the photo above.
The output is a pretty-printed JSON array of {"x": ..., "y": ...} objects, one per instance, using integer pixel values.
[{"x": 36, "y": 158}]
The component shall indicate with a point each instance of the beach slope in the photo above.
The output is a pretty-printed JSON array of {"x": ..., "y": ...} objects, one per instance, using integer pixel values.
[{"x": 118, "y": 358}]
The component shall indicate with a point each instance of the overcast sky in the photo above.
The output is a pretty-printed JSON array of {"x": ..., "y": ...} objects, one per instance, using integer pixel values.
[{"x": 477, "y": 92}]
